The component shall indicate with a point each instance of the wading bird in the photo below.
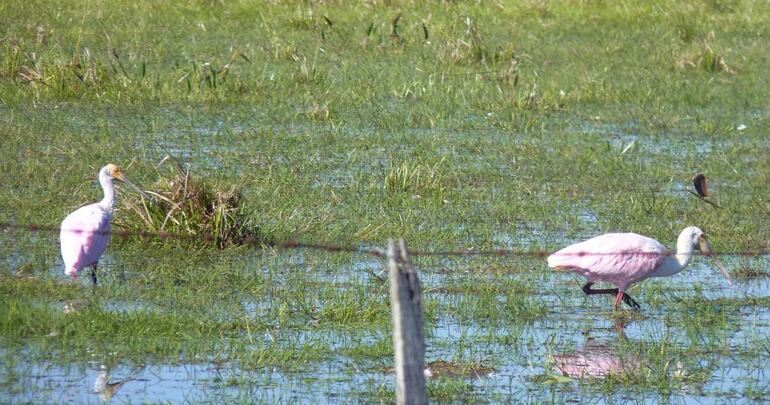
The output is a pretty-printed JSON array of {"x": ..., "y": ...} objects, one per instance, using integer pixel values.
[
  {"x": 86, "y": 231},
  {"x": 623, "y": 259}
]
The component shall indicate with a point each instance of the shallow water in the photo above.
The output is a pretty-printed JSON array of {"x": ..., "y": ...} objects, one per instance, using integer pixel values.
[
  {"x": 721, "y": 360},
  {"x": 183, "y": 383},
  {"x": 521, "y": 354}
]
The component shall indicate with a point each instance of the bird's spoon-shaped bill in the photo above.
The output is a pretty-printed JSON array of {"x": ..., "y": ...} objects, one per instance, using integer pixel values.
[
  {"x": 123, "y": 178},
  {"x": 705, "y": 248}
]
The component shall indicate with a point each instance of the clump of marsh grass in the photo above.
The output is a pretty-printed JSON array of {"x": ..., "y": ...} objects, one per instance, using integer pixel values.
[
  {"x": 441, "y": 368},
  {"x": 748, "y": 271},
  {"x": 207, "y": 212},
  {"x": 204, "y": 75},
  {"x": 33, "y": 58},
  {"x": 415, "y": 178},
  {"x": 705, "y": 58},
  {"x": 469, "y": 48},
  {"x": 318, "y": 112},
  {"x": 473, "y": 49},
  {"x": 450, "y": 369},
  {"x": 19, "y": 55}
]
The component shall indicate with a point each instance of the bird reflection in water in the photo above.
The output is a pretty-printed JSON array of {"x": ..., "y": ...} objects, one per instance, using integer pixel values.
[
  {"x": 107, "y": 389},
  {"x": 74, "y": 306},
  {"x": 597, "y": 359}
]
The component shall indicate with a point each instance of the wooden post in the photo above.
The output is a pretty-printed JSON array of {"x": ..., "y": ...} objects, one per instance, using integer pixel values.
[{"x": 408, "y": 341}]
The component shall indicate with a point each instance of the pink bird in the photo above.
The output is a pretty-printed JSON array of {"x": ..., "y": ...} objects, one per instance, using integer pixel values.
[
  {"x": 86, "y": 231},
  {"x": 623, "y": 259}
]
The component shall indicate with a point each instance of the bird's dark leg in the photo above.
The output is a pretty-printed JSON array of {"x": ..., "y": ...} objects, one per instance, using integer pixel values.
[
  {"x": 630, "y": 302},
  {"x": 613, "y": 291},
  {"x": 591, "y": 291},
  {"x": 93, "y": 274}
]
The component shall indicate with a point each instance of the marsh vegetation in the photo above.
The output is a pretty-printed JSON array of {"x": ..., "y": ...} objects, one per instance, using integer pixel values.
[{"x": 455, "y": 125}]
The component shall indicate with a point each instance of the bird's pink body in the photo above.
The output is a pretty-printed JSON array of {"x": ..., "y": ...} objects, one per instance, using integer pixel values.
[
  {"x": 86, "y": 231},
  {"x": 618, "y": 258},
  {"x": 627, "y": 258},
  {"x": 84, "y": 237}
]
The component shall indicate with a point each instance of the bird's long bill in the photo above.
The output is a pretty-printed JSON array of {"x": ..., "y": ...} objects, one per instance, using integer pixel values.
[
  {"x": 123, "y": 178},
  {"x": 705, "y": 248}
]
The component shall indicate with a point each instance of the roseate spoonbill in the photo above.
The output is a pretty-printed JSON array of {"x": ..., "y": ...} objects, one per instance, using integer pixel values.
[
  {"x": 86, "y": 231},
  {"x": 627, "y": 258}
]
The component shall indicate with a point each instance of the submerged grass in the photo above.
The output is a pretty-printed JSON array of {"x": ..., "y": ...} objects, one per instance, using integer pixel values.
[{"x": 746, "y": 270}]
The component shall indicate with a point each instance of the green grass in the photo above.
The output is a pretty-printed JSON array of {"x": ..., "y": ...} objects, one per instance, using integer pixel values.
[
  {"x": 503, "y": 125},
  {"x": 186, "y": 207}
]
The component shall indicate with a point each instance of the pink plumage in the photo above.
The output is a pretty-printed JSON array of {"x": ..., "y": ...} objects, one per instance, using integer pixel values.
[
  {"x": 86, "y": 231},
  {"x": 617, "y": 258},
  {"x": 626, "y": 258},
  {"x": 84, "y": 237}
]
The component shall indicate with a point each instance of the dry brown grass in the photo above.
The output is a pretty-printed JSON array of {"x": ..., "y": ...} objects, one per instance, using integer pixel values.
[{"x": 182, "y": 204}]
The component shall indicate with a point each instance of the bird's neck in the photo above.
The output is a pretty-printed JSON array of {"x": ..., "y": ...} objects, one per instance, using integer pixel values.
[
  {"x": 681, "y": 259},
  {"x": 684, "y": 249},
  {"x": 676, "y": 262},
  {"x": 108, "y": 202}
]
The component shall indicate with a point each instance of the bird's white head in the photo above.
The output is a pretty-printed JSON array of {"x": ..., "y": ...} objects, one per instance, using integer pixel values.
[
  {"x": 694, "y": 238},
  {"x": 114, "y": 172}
]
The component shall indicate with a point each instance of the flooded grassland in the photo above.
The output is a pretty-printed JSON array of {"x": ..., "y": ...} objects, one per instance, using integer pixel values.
[{"x": 457, "y": 127}]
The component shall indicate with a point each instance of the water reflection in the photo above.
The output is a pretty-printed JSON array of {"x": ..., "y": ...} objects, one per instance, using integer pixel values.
[
  {"x": 595, "y": 359},
  {"x": 74, "y": 306},
  {"x": 598, "y": 359},
  {"x": 107, "y": 389}
]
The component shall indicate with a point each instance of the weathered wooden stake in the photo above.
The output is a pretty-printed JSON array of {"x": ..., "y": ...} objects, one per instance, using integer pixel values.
[{"x": 408, "y": 341}]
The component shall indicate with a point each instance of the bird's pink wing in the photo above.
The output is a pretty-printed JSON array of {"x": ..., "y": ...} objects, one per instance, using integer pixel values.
[
  {"x": 84, "y": 236},
  {"x": 618, "y": 258}
]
